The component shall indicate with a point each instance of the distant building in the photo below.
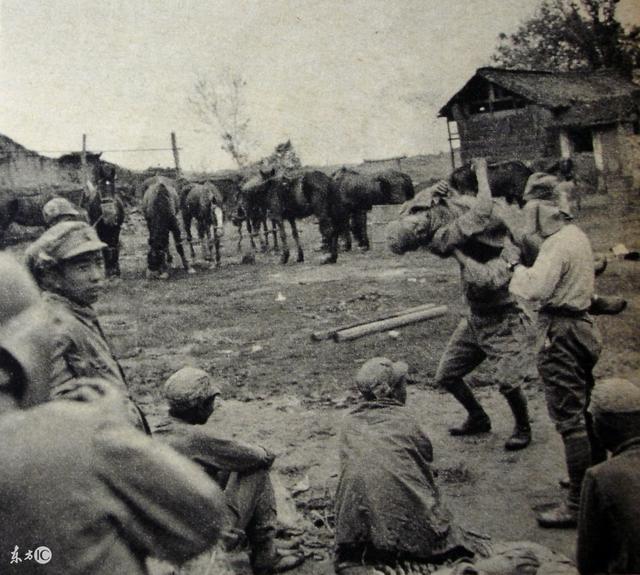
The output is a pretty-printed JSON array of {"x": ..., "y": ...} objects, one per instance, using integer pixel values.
[{"x": 593, "y": 118}]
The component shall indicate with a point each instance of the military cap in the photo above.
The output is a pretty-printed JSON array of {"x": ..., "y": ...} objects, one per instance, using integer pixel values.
[
  {"x": 57, "y": 207},
  {"x": 615, "y": 395},
  {"x": 189, "y": 387},
  {"x": 379, "y": 377},
  {"x": 61, "y": 242}
]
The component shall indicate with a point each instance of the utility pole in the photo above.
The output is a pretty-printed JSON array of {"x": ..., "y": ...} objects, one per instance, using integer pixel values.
[
  {"x": 176, "y": 155},
  {"x": 83, "y": 168}
]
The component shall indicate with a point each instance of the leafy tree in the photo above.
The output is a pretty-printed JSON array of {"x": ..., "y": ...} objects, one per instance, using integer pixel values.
[
  {"x": 571, "y": 35},
  {"x": 219, "y": 103}
]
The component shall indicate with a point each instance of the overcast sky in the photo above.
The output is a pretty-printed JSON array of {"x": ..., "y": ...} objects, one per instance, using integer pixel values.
[{"x": 345, "y": 80}]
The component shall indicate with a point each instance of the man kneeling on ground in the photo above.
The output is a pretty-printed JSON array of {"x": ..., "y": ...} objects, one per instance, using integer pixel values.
[
  {"x": 240, "y": 468},
  {"x": 387, "y": 504}
]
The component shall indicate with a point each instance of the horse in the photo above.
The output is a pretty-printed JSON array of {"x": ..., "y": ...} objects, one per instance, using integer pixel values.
[
  {"x": 360, "y": 192},
  {"x": 252, "y": 208},
  {"x": 289, "y": 198},
  {"x": 203, "y": 202},
  {"x": 507, "y": 179},
  {"x": 105, "y": 210},
  {"x": 160, "y": 206}
]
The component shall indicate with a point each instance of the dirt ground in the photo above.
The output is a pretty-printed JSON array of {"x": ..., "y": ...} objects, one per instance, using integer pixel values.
[{"x": 250, "y": 326}]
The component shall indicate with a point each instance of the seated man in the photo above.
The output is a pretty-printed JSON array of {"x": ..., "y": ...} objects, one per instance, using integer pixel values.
[
  {"x": 240, "y": 468},
  {"x": 67, "y": 264},
  {"x": 609, "y": 518},
  {"x": 387, "y": 504},
  {"x": 82, "y": 491}
]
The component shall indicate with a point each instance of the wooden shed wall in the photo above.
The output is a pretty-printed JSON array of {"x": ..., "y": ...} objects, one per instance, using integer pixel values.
[{"x": 509, "y": 134}]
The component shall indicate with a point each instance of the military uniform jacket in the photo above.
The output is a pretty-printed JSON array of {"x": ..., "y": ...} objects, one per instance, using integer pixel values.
[
  {"x": 609, "y": 524},
  {"x": 99, "y": 494}
]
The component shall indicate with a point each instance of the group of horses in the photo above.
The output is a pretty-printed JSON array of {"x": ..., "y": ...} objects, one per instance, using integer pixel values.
[{"x": 340, "y": 203}]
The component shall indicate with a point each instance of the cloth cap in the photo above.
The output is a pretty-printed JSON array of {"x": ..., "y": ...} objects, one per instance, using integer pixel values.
[
  {"x": 615, "y": 395},
  {"x": 57, "y": 207},
  {"x": 189, "y": 387},
  {"x": 379, "y": 377},
  {"x": 61, "y": 242}
]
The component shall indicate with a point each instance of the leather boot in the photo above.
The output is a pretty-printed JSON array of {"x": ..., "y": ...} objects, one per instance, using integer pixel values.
[
  {"x": 521, "y": 436},
  {"x": 578, "y": 457},
  {"x": 607, "y": 305},
  {"x": 477, "y": 421}
]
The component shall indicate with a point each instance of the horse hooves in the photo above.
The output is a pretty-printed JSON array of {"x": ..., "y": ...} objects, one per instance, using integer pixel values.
[
  {"x": 300, "y": 258},
  {"x": 328, "y": 260},
  {"x": 191, "y": 271},
  {"x": 284, "y": 257}
]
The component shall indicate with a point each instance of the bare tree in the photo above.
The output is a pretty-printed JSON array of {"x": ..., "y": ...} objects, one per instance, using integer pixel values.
[{"x": 220, "y": 104}]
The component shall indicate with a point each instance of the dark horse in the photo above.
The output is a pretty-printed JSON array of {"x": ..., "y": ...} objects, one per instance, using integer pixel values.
[
  {"x": 161, "y": 205},
  {"x": 292, "y": 198},
  {"x": 251, "y": 208},
  {"x": 507, "y": 180},
  {"x": 359, "y": 192},
  {"x": 203, "y": 202},
  {"x": 106, "y": 214}
]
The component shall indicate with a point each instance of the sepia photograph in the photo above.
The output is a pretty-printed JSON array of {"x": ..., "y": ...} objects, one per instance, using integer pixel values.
[{"x": 321, "y": 287}]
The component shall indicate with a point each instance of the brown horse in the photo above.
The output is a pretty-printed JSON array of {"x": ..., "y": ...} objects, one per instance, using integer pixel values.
[
  {"x": 203, "y": 202},
  {"x": 359, "y": 192},
  {"x": 291, "y": 198},
  {"x": 105, "y": 209}
]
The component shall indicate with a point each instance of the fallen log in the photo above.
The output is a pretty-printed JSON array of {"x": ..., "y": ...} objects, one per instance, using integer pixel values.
[
  {"x": 390, "y": 323},
  {"x": 329, "y": 333}
]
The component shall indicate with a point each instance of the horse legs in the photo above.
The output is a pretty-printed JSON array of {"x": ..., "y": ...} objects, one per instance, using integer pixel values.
[
  {"x": 296, "y": 238},
  {"x": 216, "y": 244},
  {"x": 186, "y": 219},
  {"x": 329, "y": 233},
  {"x": 276, "y": 247},
  {"x": 359, "y": 220},
  {"x": 177, "y": 239},
  {"x": 205, "y": 241},
  {"x": 284, "y": 256}
]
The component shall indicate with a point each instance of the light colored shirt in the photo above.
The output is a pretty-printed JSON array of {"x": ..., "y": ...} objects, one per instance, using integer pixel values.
[{"x": 562, "y": 275}]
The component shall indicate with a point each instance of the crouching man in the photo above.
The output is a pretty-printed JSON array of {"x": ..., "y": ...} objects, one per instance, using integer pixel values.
[
  {"x": 609, "y": 521},
  {"x": 240, "y": 468},
  {"x": 387, "y": 506}
]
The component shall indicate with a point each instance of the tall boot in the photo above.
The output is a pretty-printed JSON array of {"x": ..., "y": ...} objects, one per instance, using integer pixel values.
[
  {"x": 478, "y": 421},
  {"x": 521, "y": 436},
  {"x": 578, "y": 456}
]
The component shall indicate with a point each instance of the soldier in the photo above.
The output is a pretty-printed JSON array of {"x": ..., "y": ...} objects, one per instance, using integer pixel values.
[
  {"x": 240, "y": 468},
  {"x": 60, "y": 210},
  {"x": 67, "y": 264},
  {"x": 82, "y": 491},
  {"x": 496, "y": 329},
  {"x": 561, "y": 283},
  {"x": 609, "y": 522}
]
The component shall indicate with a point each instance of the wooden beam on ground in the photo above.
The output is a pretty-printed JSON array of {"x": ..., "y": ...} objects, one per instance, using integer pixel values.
[
  {"x": 329, "y": 333},
  {"x": 391, "y": 323}
]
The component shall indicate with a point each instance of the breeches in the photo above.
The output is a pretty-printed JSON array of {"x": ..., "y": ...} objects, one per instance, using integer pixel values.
[
  {"x": 565, "y": 363},
  {"x": 504, "y": 340}
]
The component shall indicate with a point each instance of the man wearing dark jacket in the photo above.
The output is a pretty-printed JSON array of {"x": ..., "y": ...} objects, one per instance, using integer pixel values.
[{"x": 609, "y": 520}]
